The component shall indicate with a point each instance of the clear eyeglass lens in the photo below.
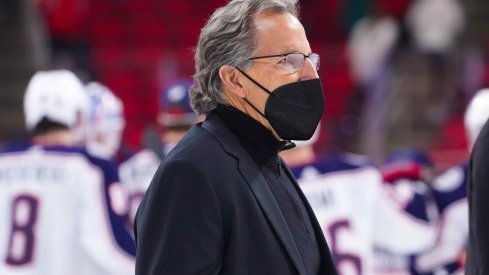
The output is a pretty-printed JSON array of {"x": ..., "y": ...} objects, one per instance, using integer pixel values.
[
  {"x": 314, "y": 57},
  {"x": 296, "y": 60}
]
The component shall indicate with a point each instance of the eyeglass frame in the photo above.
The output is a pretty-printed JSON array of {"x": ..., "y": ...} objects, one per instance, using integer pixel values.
[{"x": 286, "y": 54}]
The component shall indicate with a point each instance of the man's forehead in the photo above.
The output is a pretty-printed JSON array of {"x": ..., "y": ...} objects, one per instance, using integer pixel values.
[
  {"x": 268, "y": 21},
  {"x": 295, "y": 46},
  {"x": 281, "y": 31}
]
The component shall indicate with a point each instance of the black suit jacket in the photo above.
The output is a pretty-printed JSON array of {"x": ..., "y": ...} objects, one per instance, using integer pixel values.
[
  {"x": 478, "y": 195},
  {"x": 209, "y": 211}
]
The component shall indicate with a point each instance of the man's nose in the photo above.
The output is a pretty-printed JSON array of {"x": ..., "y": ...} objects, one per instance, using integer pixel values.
[{"x": 308, "y": 71}]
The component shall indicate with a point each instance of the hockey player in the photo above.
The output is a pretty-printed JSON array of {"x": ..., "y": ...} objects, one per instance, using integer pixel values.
[
  {"x": 175, "y": 118},
  {"x": 408, "y": 175},
  {"x": 61, "y": 210},
  {"x": 105, "y": 121},
  {"x": 450, "y": 194},
  {"x": 347, "y": 196}
]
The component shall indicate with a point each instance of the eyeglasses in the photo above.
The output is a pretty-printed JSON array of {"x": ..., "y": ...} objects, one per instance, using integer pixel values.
[{"x": 295, "y": 61}]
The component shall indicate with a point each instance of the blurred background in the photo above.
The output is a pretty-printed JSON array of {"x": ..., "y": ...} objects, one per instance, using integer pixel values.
[{"x": 397, "y": 74}]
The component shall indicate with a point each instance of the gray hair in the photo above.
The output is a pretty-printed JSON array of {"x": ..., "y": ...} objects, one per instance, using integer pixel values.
[{"x": 228, "y": 38}]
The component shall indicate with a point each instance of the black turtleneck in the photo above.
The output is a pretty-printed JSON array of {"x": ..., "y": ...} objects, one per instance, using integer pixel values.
[{"x": 263, "y": 148}]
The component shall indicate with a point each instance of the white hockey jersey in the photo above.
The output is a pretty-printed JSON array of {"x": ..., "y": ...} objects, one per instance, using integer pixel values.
[
  {"x": 61, "y": 212},
  {"x": 136, "y": 174},
  {"x": 450, "y": 195},
  {"x": 357, "y": 214}
]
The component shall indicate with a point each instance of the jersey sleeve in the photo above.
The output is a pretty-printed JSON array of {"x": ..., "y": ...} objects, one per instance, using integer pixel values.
[
  {"x": 117, "y": 207},
  {"x": 103, "y": 237},
  {"x": 135, "y": 175},
  {"x": 396, "y": 230},
  {"x": 450, "y": 245}
]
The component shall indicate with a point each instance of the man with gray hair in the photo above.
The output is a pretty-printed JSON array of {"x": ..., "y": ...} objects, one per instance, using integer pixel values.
[{"x": 223, "y": 201}]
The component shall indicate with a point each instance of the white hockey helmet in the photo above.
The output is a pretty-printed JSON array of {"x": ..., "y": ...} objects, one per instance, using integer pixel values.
[
  {"x": 105, "y": 121},
  {"x": 57, "y": 95},
  {"x": 476, "y": 114}
]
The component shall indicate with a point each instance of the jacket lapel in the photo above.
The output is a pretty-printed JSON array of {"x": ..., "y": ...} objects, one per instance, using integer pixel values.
[{"x": 257, "y": 184}]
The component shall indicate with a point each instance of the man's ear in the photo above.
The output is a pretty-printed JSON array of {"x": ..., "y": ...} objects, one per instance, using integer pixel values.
[{"x": 232, "y": 81}]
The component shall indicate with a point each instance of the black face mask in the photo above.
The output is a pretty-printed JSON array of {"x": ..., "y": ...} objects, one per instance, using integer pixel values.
[{"x": 295, "y": 109}]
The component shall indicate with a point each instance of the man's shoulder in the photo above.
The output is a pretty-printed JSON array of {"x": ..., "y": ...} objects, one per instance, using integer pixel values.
[
  {"x": 209, "y": 137},
  {"x": 28, "y": 148},
  {"x": 15, "y": 147},
  {"x": 327, "y": 164},
  {"x": 55, "y": 158},
  {"x": 197, "y": 145},
  {"x": 201, "y": 152}
]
